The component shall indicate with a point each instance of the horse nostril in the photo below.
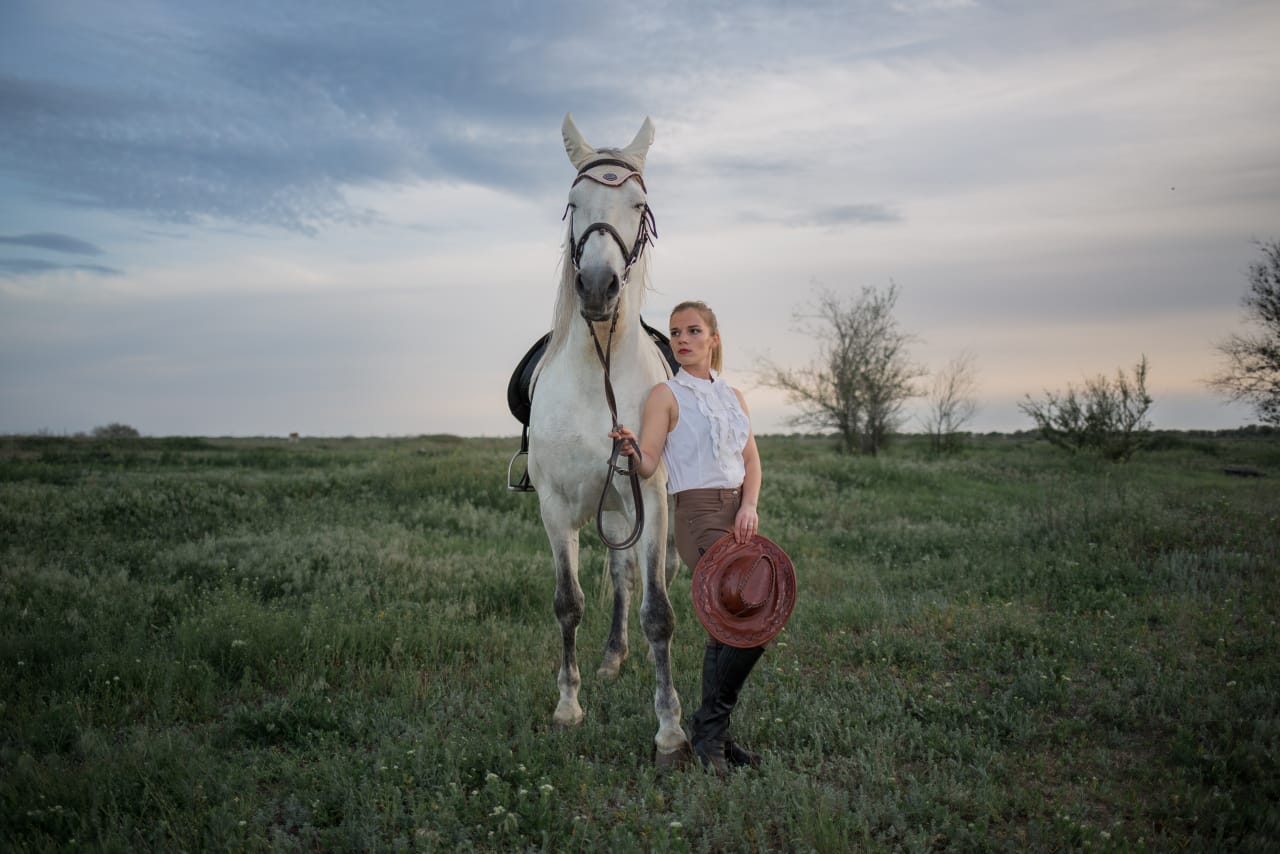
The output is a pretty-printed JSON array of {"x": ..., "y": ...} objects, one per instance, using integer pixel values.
[
  {"x": 614, "y": 286},
  {"x": 580, "y": 285}
]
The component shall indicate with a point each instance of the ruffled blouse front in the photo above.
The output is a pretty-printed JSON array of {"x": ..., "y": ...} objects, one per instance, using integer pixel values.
[{"x": 705, "y": 449}]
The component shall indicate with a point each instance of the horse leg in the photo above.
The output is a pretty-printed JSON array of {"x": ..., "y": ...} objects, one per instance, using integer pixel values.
[
  {"x": 622, "y": 569},
  {"x": 673, "y": 557},
  {"x": 569, "y": 605},
  {"x": 659, "y": 622}
]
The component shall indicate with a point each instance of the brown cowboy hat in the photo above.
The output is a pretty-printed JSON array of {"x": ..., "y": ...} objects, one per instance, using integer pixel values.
[{"x": 743, "y": 593}]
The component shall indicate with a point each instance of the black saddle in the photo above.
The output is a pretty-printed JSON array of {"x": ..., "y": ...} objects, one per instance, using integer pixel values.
[{"x": 520, "y": 387}]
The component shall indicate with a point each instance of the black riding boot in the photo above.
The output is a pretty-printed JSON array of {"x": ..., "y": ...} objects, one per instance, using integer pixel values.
[
  {"x": 708, "y": 737},
  {"x": 735, "y": 665},
  {"x": 738, "y": 756},
  {"x": 724, "y": 670}
]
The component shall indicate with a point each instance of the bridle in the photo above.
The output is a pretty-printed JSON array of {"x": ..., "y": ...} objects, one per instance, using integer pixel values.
[{"x": 645, "y": 234}]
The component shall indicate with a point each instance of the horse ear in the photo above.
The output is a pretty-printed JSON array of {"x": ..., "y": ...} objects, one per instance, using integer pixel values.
[
  {"x": 639, "y": 147},
  {"x": 575, "y": 146}
]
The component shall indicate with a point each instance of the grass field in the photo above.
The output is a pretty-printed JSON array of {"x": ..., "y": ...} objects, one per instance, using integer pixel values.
[{"x": 350, "y": 644}]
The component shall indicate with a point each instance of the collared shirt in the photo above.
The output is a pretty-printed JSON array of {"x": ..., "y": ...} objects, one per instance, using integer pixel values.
[{"x": 705, "y": 449}]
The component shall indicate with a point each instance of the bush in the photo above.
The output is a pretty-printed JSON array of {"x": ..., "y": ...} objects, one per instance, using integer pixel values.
[
  {"x": 115, "y": 430},
  {"x": 1106, "y": 416}
]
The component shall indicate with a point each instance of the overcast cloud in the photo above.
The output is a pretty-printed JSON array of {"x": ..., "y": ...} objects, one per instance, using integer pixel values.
[{"x": 245, "y": 218}]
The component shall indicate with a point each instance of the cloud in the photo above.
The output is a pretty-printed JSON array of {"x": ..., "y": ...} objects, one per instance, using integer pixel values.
[
  {"x": 15, "y": 267},
  {"x": 53, "y": 242},
  {"x": 828, "y": 217},
  {"x": 264, "y": 121},
  {"x": 838, "y": 215},
  {"x": 226, "y": 113}
]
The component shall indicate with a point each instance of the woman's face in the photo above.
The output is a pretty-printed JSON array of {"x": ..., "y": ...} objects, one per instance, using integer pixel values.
[{"x": 692, "y": 340}]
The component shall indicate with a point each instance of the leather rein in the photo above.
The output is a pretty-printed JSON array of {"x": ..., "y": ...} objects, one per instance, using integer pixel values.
[{"x": 647, "y": 233}]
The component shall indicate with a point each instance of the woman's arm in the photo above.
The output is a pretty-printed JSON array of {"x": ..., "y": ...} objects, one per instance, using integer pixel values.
[
  {"x": 746, "y": 523},
  {"x": 656, "y": 422}
]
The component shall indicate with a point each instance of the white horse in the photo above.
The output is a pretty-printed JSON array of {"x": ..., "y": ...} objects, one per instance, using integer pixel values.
[{"x": 598, "y": 312}]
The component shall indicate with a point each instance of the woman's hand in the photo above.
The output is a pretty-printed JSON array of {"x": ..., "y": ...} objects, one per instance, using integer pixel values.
[
  {"x": 745, "y": 524},
  {"x": 630, "y": 445}
]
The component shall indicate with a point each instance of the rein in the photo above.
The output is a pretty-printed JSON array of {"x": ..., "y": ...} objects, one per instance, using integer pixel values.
[
  {"x": 645, "y": 234},
  {"x": 605, "y": 355}
]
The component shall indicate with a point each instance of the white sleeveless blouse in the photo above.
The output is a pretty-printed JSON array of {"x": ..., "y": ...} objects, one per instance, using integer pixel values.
[{"x": 705, "y": 449}]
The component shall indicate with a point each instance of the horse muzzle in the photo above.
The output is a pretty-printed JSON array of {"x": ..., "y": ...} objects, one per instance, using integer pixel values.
[{"x": 598, "y": 290}]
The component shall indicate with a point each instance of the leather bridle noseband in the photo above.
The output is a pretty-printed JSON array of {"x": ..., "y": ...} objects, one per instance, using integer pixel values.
[{"x": 645, "y": 234}]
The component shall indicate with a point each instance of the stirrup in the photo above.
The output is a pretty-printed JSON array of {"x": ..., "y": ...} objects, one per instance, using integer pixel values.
[{"x": 523, "y": 484}]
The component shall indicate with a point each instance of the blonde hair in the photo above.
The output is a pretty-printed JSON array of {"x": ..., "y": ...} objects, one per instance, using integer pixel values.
[{"x": 709, "y": 318}]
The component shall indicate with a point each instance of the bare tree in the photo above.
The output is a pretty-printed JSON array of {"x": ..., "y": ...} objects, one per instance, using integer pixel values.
[
  {"x": 952, "y": 402},
  {"x": 862, "y": 374},
  {"x": 1252, "y": 372},
  {"x": 1106, "y": 416}
]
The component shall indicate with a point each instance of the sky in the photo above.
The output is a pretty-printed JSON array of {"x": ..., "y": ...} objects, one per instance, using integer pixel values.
[{"x": 249, "y": 219}]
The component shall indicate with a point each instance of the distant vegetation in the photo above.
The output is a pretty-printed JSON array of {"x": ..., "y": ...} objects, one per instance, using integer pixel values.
[
  {"x": 1251, "y": 371},
  {"x": 1105, "y": 416},
  {"x": 346, "y": 644},
  {"x": 115, "y": 430},
  {"x": 862, "y": 375}
]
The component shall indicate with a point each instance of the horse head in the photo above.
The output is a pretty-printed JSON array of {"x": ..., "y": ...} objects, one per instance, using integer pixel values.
[{"x": 609, "y": 218}]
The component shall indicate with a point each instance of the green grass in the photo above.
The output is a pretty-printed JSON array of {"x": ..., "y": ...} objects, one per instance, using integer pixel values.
[{"x": 350, "y": 644}]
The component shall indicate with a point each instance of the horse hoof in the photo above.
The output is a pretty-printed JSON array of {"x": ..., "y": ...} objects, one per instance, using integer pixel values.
[
  {"x": 672, "y": 760},
  {"x": 566, "y": 718},
  {"x": 611, "y": 668}
]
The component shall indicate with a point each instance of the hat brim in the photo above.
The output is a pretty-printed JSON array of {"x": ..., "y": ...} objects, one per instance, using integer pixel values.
[{"x": 760, "y": 627}]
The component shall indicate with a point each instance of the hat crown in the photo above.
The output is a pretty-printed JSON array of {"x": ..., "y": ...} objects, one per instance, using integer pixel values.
[{"x": 747, "y": 584}]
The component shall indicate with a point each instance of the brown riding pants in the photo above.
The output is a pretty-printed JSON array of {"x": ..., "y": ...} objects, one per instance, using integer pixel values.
[{"x": 703, "y": 516}]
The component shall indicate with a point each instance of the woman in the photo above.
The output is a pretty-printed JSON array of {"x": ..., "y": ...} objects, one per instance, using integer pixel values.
[{"x": 700, "y": 427}]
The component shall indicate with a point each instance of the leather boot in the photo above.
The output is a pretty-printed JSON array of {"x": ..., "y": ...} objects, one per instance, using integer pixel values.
[
  {"x": 740, "y": 757},
  {"x": 734, "y": 665},
  {"x": 727, "y": 674},
  {"x": 708, "y": 730}
]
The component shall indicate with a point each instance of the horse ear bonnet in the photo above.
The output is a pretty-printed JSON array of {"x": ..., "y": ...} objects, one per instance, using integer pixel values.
[
  {"x": 638, "y": 149},
  {"x": 578, "y": 149}
]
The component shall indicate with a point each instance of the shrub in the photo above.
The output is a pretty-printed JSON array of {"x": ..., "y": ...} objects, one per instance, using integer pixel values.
[
  {"x": 115, "y": 430},
  {"x": 1106, "y": 416}
]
